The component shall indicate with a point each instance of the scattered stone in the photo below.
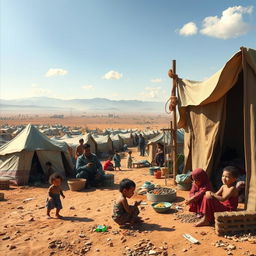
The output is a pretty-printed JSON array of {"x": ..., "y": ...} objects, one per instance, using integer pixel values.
[
  {"x": 20, "y": 207},
  {"x": 31, "y": 219},
  {"x": 111, "y": 244},
  {"x": 203, "y": 233},
  {"x": 88, "y": 209},
  {"x": 82, "y": 235},
  {"x": 184, "y": 250},
  {"x": 12, "y": 247},
  {"x": 230, "y": 253},
  {"x": 152, "y": 252},
  {"x": 97, "y": 250},
  {"x": 6, "y": 238},
  {"x": 27, "y": 239},
  {"x": 3, "y": 233},
  {"x": 231, "y": 247},
  {"x": 72, "y": 208},
  {"x": 186, "y": 218}
]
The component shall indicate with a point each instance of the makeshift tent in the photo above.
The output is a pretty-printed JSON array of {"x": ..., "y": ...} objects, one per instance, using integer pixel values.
[
  {"x": 165, "y": 139},
  {"x": 118, "y": 142},
  {"x": 104, "y": 144},
  {"x": 74, "y": 142},
  {"x": 220, "y": 113},
  {"x": 16, "y": 155},
  {"x": 127, "y": 138}
]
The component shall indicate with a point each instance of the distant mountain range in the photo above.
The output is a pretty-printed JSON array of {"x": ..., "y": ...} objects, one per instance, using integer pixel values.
[{"x": 96, "y": 105}]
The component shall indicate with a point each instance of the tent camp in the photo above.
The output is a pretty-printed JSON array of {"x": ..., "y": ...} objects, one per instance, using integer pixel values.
[
  {"x": 219, "y": 117},
  {"x": 165, "y": 139},
  {"x": 32, "y": 148},
  {"x": 118, "y": 142},
  {"x": 104, "y": 144}
]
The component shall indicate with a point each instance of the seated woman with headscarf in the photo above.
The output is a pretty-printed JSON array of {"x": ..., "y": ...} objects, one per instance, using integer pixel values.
[{"x": 201, "y": 184}]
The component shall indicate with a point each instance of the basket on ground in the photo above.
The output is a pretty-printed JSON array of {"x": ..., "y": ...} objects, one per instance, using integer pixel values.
[
  {"x": 161, "y": 206},
  {"x": 161, "y": 195},
  {"x": 76, "y": 184}
]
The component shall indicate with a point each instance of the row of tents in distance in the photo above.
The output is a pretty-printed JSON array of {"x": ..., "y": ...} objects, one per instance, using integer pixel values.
[{"x": 18, "y": 155}]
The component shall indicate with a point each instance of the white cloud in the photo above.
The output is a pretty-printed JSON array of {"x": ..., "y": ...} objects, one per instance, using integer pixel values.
[
  {"x": 56, "y": 72},
  {"x": 157, "y": 80},
  {"x": 87, "y": 87},
  {"x": 229, "y": 25},
  {"x": 34, "y": 85},
  {"x": 152, "y": 93},
  {"x": 188, "y": 29},
  {"x": 112, "y": 75}
]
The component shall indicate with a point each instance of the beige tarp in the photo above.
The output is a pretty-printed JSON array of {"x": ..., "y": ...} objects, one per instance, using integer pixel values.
[{"x": 207, "y": 114}]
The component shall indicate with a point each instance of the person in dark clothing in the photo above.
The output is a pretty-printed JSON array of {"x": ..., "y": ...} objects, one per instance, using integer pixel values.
[
  {"x": 142, "y": 145},
  {"x": 89, "y": 167},
  {"x": 159, "y": 157}
]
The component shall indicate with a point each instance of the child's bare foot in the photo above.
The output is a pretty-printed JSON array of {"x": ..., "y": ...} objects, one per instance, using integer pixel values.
[
  {"x": 202, "y": 222},
  {"x": 58, "y": 216},
  {"x": 49, "y": 216}
]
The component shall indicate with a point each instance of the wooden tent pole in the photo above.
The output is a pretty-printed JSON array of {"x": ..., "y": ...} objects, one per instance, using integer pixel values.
[{"x": 174, "y": 123}]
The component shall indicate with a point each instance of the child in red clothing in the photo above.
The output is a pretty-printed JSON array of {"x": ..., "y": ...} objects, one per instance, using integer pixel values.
[
  {"x": 108, "y": 166},
  {"x": 200, "y": 185},
  {"x": 226, "y": 199}
]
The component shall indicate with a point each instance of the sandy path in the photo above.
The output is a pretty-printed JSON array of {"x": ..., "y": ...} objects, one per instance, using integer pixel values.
[{"x": 30, "y": 232}]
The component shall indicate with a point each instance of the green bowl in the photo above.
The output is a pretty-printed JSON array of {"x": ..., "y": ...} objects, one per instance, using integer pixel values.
[{"x": 166, "y": 207}]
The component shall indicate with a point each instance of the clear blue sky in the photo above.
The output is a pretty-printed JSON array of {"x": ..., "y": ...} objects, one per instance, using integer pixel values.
[{"x": 117, "y": 49}]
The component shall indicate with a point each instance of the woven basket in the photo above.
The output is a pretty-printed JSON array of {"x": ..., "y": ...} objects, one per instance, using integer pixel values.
[
  {"x": 76, "y": 184},
  {"x": 1, "y": 196},
  {"x": 4, "y": 183}
]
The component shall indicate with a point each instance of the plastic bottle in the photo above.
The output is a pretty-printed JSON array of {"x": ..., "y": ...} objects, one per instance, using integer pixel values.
[{"x": 101, "y": 228}]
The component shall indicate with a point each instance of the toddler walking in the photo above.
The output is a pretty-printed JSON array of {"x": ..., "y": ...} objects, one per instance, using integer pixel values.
[
  {"x": 129, "y": 160},
  {"x": 54, "y": 193},
  {"x": 117, "y": 161}
]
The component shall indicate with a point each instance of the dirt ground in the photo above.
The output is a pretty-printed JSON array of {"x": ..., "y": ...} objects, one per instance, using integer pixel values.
[
  {"x": 25, "y": 230},
  {"x": 97, "y": 121}
]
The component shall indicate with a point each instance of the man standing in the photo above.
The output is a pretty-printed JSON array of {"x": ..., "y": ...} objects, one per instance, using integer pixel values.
[
  {"x": 79, "y": 148},
  {"x": 142, "y": 145},
  {"x": 89, "y": 167}
]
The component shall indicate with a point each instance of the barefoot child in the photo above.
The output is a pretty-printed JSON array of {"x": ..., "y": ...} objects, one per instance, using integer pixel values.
[
  {"x": 226, "y": 199},
  {"x": 117, "y": 161},
  {"x": 54, "y": 193},
  {"x": 201, "y": 184},
  {"x": 124, "y": 213},
  {"x": 129, "y": 160}
]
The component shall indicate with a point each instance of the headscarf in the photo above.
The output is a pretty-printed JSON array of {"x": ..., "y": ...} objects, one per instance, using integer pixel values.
[{"x": 198, "y": 191}]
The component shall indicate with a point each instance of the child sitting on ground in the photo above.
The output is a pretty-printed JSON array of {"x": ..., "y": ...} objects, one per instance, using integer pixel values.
[
  {"x": 54, "y": 193},
  {"x": 108, "y": 166},
  {"x": 226, "y": 199},
  {"x": 201, "y": 184},
  {"x": 129, "y": 160},
  {"x": 117, "y": 161},
  {"x": 124, "y": 214}
]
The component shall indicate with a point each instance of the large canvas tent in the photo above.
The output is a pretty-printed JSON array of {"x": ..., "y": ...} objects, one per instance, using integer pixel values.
[
  {"x": 220, "y": 113},
  {"x": 16, "y": 155}
]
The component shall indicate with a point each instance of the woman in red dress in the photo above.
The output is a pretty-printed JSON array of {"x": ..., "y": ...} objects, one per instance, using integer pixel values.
[{"x": 226, "y": 199}]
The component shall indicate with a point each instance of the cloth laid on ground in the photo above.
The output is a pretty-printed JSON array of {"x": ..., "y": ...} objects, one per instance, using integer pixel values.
[{"x": 181, "y": 178}]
